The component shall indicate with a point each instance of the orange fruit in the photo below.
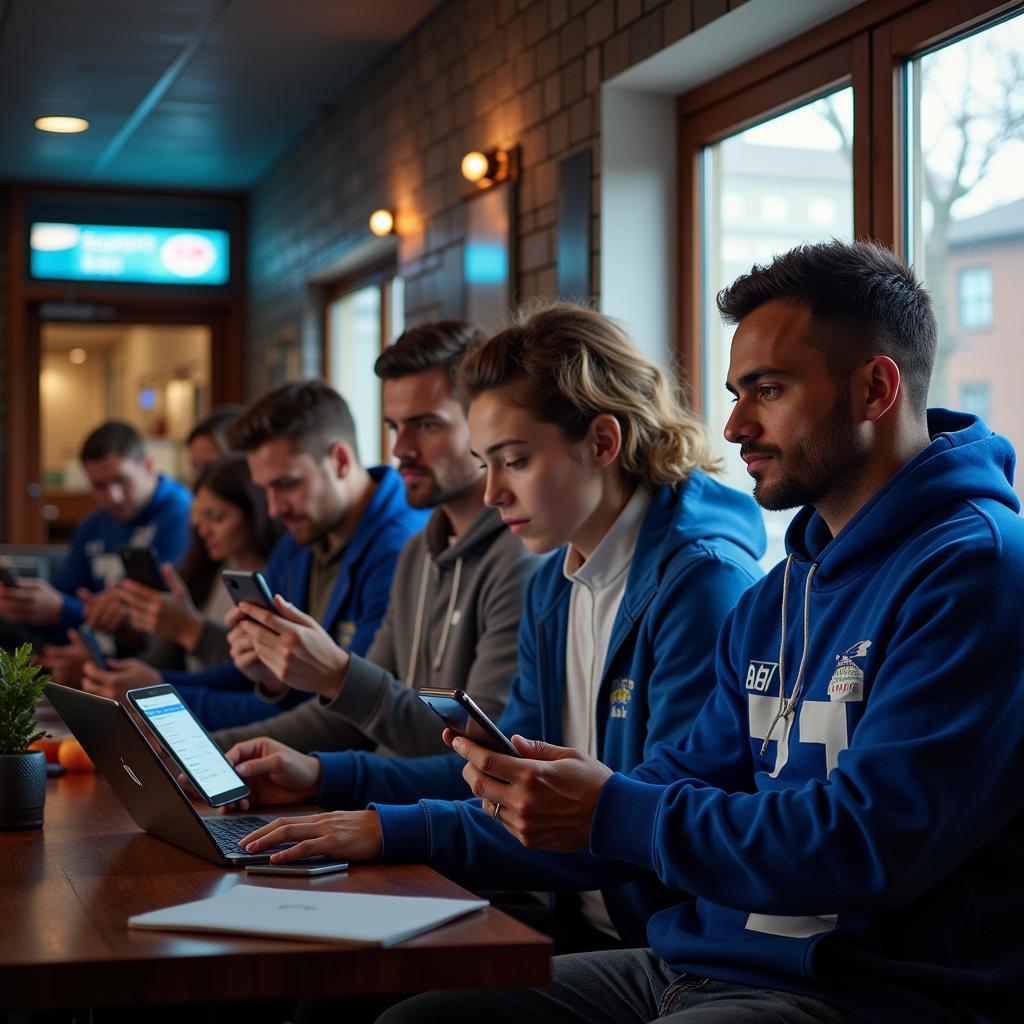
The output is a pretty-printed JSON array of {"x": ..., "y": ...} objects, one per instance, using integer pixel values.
[
  {"x": 73, "y": 758},
  {"x": 49, "y": 747}
]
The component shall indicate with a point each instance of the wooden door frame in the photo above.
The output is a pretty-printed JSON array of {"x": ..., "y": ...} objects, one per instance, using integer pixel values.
[{"x": 222, "y": 311}]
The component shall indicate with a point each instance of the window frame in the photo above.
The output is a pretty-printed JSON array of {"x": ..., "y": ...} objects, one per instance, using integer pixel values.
[{"x": 867, "y": 48}]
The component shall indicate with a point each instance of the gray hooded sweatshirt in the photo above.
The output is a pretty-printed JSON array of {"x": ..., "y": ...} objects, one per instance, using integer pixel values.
[{"x": 452, "y": 622}]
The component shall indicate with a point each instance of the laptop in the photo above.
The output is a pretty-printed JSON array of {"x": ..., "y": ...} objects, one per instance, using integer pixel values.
[{"x": 149, "y": 792}]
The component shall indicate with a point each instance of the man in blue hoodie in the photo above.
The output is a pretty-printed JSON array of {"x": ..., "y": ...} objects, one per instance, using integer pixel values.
[
  {"x": 346, "y": 526},
  {"x": 847, "y": 806},
  {"x": 137, "y": 507}
]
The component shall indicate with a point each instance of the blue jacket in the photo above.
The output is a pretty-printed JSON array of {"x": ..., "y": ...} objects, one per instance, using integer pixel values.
[
  {"x": 92, "y": 560},
  {"x": 222, "y": 696},
  {"x": 871, "y": 854},
  {"x": 697, "y": 552}
]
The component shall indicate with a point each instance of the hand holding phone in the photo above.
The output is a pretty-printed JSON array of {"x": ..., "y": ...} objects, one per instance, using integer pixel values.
[
  {"x": 460, "y": 713},
  {"x": 143, "y": 566},
  {"x": 92, "y": 645},
  {"x": 8, "y": 577}
]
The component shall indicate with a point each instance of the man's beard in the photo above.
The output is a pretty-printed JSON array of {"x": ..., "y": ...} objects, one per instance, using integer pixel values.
[
  {"x": 821, "y": 466},
  {"x": 437, "y": 493}
]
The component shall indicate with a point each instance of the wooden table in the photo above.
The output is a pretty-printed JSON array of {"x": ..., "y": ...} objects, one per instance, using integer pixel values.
[{"x": 68, "y": 889}]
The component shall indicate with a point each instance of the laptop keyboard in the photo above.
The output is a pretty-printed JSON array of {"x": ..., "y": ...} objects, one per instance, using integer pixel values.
[{"x": 226, "y": 832}]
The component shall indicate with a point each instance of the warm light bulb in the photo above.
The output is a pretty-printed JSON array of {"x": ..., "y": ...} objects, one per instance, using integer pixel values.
[
  {"x": 382, "y": 222},
  {"x": 77, "y": 356},
  {"x": 62, "y": 125},
  {"x": 475, "y": 166}
]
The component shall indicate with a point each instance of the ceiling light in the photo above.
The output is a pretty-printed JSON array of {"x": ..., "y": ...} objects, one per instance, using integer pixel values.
[
  {"x": 77, "y": 356},
  {"x": 62, "y": 125},
  {"x": 382, "y": 222}
]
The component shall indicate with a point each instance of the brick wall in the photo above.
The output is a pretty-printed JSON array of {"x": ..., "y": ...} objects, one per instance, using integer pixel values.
[{"x": 474, "y": 75}]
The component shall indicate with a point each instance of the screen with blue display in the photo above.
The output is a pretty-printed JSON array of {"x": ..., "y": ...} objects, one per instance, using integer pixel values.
[{"x": 107, "y": 252}]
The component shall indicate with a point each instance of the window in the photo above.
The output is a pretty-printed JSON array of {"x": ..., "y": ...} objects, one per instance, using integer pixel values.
[
  {"x": 974, "y": 293},
  {"x": 808, "y": 148},
  {"x": 976, "y": 398},
  {"x": 935, "y": 91},
  {"x": 361, "y": 321},
  {"x": 965, "y": 206}
]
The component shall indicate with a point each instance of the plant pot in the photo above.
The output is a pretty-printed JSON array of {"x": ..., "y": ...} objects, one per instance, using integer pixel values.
[{"x": 22, "y": 790}]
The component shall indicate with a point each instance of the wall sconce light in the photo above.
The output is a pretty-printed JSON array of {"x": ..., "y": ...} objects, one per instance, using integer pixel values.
[
  {"x": 382, "y": 223},
  {"x": 77, "y": 356},
  {"x": 490, "y": 168}
]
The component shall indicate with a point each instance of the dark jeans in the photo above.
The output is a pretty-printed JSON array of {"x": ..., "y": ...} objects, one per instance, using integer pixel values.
[{"x": 627, "y": 986}]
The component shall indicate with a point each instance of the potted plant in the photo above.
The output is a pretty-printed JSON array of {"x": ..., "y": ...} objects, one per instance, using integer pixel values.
[{"x": 22, "y": 771}]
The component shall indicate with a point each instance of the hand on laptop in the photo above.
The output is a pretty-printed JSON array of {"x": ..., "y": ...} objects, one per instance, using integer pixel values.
[
  {"x": 296, "y": 648},
  {"x": 337, "y": 835},
  {"x": 125, "y": 674},
  {"x": 274, "y": 772}
]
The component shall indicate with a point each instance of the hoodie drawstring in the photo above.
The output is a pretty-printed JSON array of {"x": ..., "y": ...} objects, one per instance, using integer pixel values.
[
  {"x": 421, "y": 606},
  {"x": 786, "y": 706},
  {"x": 449, "y": 614},
  {"x": 417, "y": 629}
]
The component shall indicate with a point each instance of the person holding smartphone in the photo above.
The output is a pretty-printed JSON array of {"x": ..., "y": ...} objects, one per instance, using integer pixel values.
[
  {"x": 185, "y": 620},
  {"x": 588, "y": 455},
  {"x": 344, "y": 528}
]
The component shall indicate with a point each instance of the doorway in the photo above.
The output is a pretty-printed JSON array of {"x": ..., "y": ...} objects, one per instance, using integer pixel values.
[{"x": 154, "y": 376}]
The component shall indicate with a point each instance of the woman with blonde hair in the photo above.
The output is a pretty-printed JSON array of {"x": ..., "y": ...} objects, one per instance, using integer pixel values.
[{"x": 589, "y": 455}]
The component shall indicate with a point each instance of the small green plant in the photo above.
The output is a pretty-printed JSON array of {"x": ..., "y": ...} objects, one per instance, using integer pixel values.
[{"x": 21, "y": 688}]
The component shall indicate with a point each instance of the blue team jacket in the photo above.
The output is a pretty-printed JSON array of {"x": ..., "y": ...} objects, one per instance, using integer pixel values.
[
  {"x": 697, "y": 552},
  {"x": 163, "y": 523},
  {"x": 222, "y": 696},
  {"x": 871, "y": 855}
]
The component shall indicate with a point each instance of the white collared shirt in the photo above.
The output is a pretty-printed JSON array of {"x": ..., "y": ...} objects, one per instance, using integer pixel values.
[{"x": 598, "y": 585}]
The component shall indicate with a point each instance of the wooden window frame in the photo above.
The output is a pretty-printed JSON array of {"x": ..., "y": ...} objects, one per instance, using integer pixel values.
[
  {"x": 866, "y": 47},
  {"x": 382, "y": 274}
]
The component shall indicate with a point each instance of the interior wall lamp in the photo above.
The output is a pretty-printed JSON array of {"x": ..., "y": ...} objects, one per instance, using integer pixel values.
[
  {"x": 489, "y": 168},
  {"x": 382, "y": 223}
]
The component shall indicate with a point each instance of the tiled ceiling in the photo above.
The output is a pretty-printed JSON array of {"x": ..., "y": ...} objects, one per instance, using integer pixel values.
[{"x": 196, "y": 94}]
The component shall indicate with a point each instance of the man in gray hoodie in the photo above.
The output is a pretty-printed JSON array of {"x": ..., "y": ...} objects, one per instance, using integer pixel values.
[{"x": 456, "y": 597}]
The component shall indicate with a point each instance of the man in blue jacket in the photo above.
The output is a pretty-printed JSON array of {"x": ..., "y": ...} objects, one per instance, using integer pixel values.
[
  {"x": 847, "y": 807},
  {"x": 346, "y": 526},
  {"x": 137, "y": 507}
]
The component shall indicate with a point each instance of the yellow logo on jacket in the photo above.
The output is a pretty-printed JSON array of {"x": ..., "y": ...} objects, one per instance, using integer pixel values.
[
  {"x": 346, "y": 631},
  {"x": 622, "y": 694}
]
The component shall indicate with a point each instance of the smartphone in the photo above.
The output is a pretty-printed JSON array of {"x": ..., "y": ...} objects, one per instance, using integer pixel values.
[
  {"x": 314, "y": 867},
  {"x": 187, "y": 742},
  {"x": 143, "y": 566},
  {"x": 8, "y": 577},
  {"x": 248, "y": 586},
  {"x": 460, "y": 713},
  {"x": 92, "y": 645}
]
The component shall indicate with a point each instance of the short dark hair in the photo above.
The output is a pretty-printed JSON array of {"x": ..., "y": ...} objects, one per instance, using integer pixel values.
[
  {"x": 114, "y": 437},
  {"x": 444, "y": 343},
  {"x": 872, "y": 298},
  {"x": 310, "y": 413},
  {"x": 215, "y": 425}
]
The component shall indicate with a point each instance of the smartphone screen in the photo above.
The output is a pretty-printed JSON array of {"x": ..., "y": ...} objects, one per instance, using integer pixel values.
[
  {"x": 460, "y": 713},
  {"x": 187, "y": 742}
]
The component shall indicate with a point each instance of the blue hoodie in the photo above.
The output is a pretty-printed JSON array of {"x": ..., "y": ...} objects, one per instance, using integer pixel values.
[
  {"x": 697, "y": 552},
  {"x": 222, "y": 696},
  {"x": 92, "y": 560},
  {"x": 869, "y": 852}
]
